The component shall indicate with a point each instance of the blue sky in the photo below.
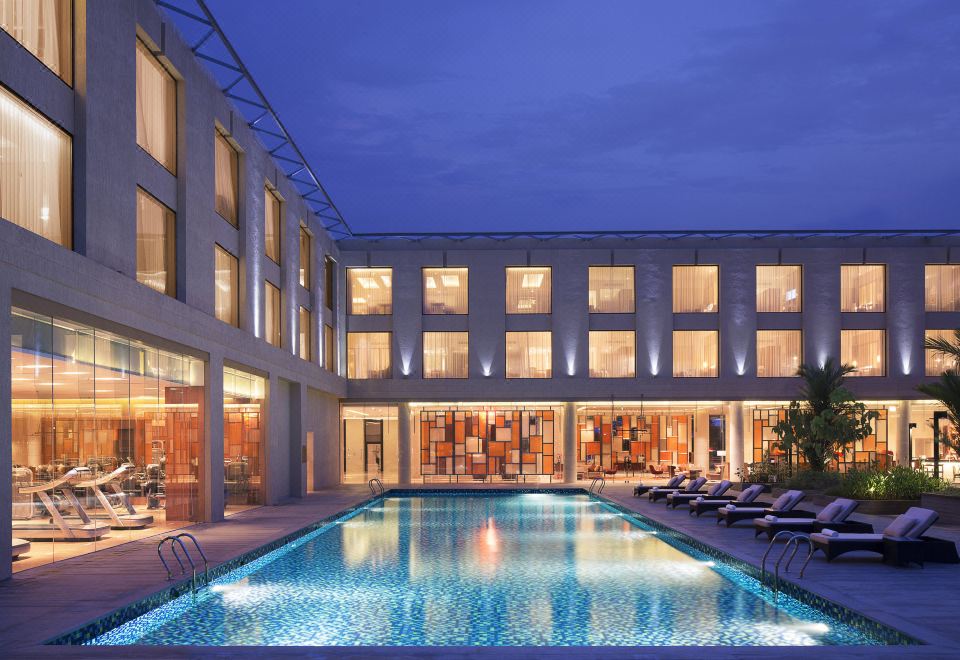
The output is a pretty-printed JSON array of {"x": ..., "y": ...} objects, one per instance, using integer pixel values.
[{"x": 540, "y": 115}]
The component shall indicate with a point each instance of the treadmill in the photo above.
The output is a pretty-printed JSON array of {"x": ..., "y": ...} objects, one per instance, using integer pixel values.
[
  {"x": 57, "y": 527},
  {"x": 128, "y": 520}
]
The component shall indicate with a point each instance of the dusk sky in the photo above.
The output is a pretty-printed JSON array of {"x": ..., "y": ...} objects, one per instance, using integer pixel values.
[{"x": 543, "y": 115}]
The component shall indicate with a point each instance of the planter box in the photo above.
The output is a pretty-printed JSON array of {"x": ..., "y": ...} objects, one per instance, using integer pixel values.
[
  {"x": 885, "y": 507},
  {"x": 948, "y": 507}
]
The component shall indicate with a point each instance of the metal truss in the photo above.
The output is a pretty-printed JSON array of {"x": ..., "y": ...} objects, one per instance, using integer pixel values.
[{"x": 209, "y": 44}]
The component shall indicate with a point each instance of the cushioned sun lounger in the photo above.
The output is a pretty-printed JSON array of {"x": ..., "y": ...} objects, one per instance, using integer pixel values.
[
  {"x": 20, "y": 546},
  {"x": 732, "y": 513},
  {"x": 674, "y": 482},
  {"x": 58, "y": 527},
  {"x": 747, "y": 496},
  {"x": 715, "y": 491},
  {"x": 660, "y": 493},
  {"x": 127, "y": 517},
  {"x": 834, "y": 516}
]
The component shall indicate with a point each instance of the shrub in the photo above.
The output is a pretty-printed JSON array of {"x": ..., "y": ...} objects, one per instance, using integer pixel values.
[
  {"x": 766, "y": 472},
  {"x": 899, "y": 483},
  {"x": 813, "y": 480}
]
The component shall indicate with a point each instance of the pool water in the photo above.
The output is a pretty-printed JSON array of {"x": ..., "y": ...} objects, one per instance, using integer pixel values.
[{"x": 485, "y": 570}]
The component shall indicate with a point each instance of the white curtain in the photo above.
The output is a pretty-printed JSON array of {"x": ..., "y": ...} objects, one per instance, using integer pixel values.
[
  {"x": 696, "y": 353},
  {"x": 370, "y": 290},
  {"x": 305, "y": 259},
  {"x": 445, "y": 354},
  {"x": 611, "y": 290},
  {"x": 43, "y": 27},
  {"x": 304, "y": 323},
  {"x": 779, "y": 353},
  {"x": 778, "y": 288},
  {"x": 942, "y": 288},
  {"x": 35, "y": 171},
  {"x": 862, "y": 288},
  {"x": 528, "y": 290},
  {"x": 272, "y": 315},
  {"x": 226, "y": 169},
  {"x": 529, "y": 355},
  {"x": 368, "y": 355},
  {"x": 226, "y": 291},
  {"x": 937, "y": 363},
  {"x": 865, "y": 350},
  {"x": 613, "y": 354},
  {"x": 156, "y": 109},
  {"x": 445, "y": 291},
  {"x": 271, "y": 224},
  {"x": 696, "y": 289},
  {"x": 155, "y": 245}
]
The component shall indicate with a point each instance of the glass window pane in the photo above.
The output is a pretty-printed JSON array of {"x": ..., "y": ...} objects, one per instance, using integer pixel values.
[
  {"x": 329, "y": 280},
  {"x": 156, "y": 263},
  {"x": 937, "y": 363},
  {"x": 227, "y": 287},
  {"x": 779, "y": 288},
  {"x": 942, "y": 284},
  {"x": 529, "y": 355},
  {"x": 445, "y": 354},
  {"x": 368, "y": 355},
  {"x": 244, "y": 439},
  {"x": 45, "y": 28},
  {"x": 226, "y": 171},
  {"x": 613, "y": 354},
  {"x": 779, "y": 353},
  {"x": 271, "y": 223},
  {"x": 305, "y": 258},
  {"x": 272, "y": 315},
  {"x": 865, "y": 350},
  {"x": 611, "y": 289},
  {"x": 304, "y": 344},
  {"x": 156, "y": 109},
  {"x": 370, "y": 290},
  {"x": 445, "y": 291},
  {"x": 696, "y": 353},
  {"x": 696, "y": 289},
  {"x": 862, "y": 288},
  {"x": 529, "y": 290},
  {"x": 329, "y": 349}
]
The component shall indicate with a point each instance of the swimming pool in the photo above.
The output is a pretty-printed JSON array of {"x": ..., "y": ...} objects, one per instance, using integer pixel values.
[{"x": 489, "y": 569}]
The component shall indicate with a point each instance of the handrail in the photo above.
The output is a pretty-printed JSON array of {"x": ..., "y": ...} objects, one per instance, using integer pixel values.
[
  {"x": 763, "y": 561},
  {"x": 175, "y": 540},
  {"x": 379, "y": 486},
  {"x": 593, "y": 484},
  {"x": 810, "y": 550},
  {"x": 794, "y": 541},
  {"x": 203, "y": 555}
]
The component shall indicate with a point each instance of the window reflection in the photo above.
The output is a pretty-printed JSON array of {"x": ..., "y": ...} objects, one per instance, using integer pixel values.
[{"x": 244, "y": 396}]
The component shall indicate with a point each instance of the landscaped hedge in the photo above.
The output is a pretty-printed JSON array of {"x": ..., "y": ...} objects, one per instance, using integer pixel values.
[{"x": 899, "y": 483}]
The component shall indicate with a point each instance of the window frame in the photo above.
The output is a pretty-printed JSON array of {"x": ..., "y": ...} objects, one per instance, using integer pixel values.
[
  {"x": 673, "y": 361},
  {"x": 267, "y": 287},
  {"x": 938, "y": 311},
  {"x": 278, "y": 238},
  {"x": 801, "y": 293},
  {"x": 506, "y": 283},
  {"x": 235, "y": 293},
  {"x": 176, "y": 108},
  {"x": 171, "y": 247},
  {"x": 590, "y": 334},
  {"x": 423, "y": 290},
  {"x": 633, "y": 281},
  {"x": 301, "y": 310},
  {"x": 886, "y": 288},
  {"x": 884, "y": 351},
  {"x": 350, "y": 291},
  {"x": 673, "y": 279},
  {"x": 423, "y": 354},
  {"x": 72, "y": 49},
  {"x": 305, "y": 273},
  {"x": 390, "y": 365},
  {"x": 220, "y": 134},
  {"x": 506, "y": 354},
  {"x": 757, "y": 342}
]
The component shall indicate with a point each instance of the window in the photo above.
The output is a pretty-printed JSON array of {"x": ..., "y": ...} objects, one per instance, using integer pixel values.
[
  {"x": 306, "y": 254},
  {"x": 528, "y": 290},
  {"x": 942, "y": 284},
  {"x": 329, "y": 280},
  {"x": 779, "y": 353},
  {"x": 371, "y": 290},
  {"x": 696, "y": 353},
  {"x": 226, "y": 174},
  {"x": 613, "y": 354},
  {"x": 445, "y": 354},
  {"x": 865, "y": 350},
  {"x": 156, "y": 260},
  {"x": 862, "y": 288},
  {"x": 35, "y": 171},
  {"x": 611, "y": 290},
  {"x": 529, "y": 355},
  {"x": 779, "y": 288},
  {"x": 937, "y": 363},
  {"x": 226, "y": 292},
  {"x": 45, "y": 28},
  {"x": 696, "y": 289},
  {"x": 271, "y": 324},
  {"x": 329, "y": 349},
  {"x": 271, "y": 225},
  {"x": 156, "y": 109},
  {"x": 304, "y": 327},
  {"x": 368, "y": 355},
  {"x": 445, "y": 291}
]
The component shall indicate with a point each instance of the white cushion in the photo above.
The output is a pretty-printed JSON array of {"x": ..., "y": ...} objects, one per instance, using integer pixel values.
[
  {"x": 700, "y": 499},
  {"x": 731, "y": 507},
  {"x": 829, "y": 532},
  {"x": 771, "y": 518}
]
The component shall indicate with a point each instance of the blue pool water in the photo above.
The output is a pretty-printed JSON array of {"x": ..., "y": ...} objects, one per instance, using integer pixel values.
[{"x": 469, "y": 570}]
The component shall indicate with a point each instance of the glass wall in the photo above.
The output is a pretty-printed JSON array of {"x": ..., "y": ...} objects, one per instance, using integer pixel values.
[
  {"x": 779, "y": 288},
  {"x": 368, "y": 355},
  {"x": 923, "y": 416},
  {"x": 226, "y": 179},
  {"x": 244, "y": 436},
  {"x": 156, "y": 246},
  {"x": 865, "y": 350},
  {"x": 156, "y": 109},
  {"x": 370, "y": 437},
  {"x": 696, "y": 353},
  {"x": 45, "y": 28},
  {"x": 779, "y": 353},
  {"x": 529, "y": 290},
  {"x": 696, "y": 289},
  {"x": 370, "y": 290},
  {"x": 863, "y": 288},
  {"x": 445, "y": 291},
  {"x": 529, "y": 355},
  {"x": 611, "y": 290},
  {"x": 445, "y": 354},
  {"x": 613, "y": 354},
  {"x": 942, "y": 287}
]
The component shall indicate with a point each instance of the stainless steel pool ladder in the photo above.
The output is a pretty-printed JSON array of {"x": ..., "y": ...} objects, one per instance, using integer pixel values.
[
  {"x": 174, "y": 540},
  {"x": 794, "y": 539},
  {"x": 375, "y": 486},
  {"x": 593, "y": 484}
]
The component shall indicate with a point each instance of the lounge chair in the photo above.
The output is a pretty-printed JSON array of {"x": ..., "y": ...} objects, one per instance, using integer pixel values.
[
  {"x": 901, "y": 542},
  {"x": 732, "y": 513},
  {"x": 19, "y": 547},
  {"x": 834, "y": 516},
  {"x": 747, "y": 496},
  {"x": 716, "y": 491},
  {"x": 673, "y": 483},
  {"x": 660, "y": 492}
]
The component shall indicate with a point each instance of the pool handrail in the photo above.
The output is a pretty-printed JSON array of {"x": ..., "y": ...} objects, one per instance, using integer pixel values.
[{"x": 375, "y": 485}]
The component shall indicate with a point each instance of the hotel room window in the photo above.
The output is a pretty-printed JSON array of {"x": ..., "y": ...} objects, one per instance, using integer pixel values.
[
  {"x": 865, "y": 350},
  {"x": 368, "y": 355},
  {"x": 779, "y": 288},
  {"x": 696, "y": 353},
  {"x": 329, "y": 349},
  {"x": 271, "y": 225},
  {"x": 226, "y": 163},
  {"x": 227, "y": 287},
  {"x": 696, "y": 289},
  {"x": 936, "y": 362},
  {"x": 271, "y": 321},
  {"x": 445, "y": 291},
  {"x": 863, "y": 288},
  {"x": 35, "y": 172},
  {"x": 611, "y": 290},
  {"x": 529, "y": 355},
  {"x": 942, "y": 286},
  {"x": 779, "y": 353},
  {"x": 370, "y": 290},
  {"x": 156, "y": 251},
  {"x": 304, "y": 323},
  {"x": 45, "y": 29},
  {"x": 306, "y": 254},
  {"x": 528, "y": 290},
  {"x": 156, "y": 109},
  {"x": 329, "y": 281},
  {"x": 445, "y": 354},
  {"x": 613, "y": 354}
]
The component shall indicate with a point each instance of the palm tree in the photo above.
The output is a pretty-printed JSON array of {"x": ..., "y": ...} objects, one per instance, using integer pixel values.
[
  {"x": 947, "y": 391},
  {"x": 945, "y": 347},
  {"x": 820, "y": 383}
]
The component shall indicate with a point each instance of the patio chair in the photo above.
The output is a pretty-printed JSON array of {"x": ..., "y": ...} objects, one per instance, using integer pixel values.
[
  {"x": 660, "y": 492},
  {"x": 732, "y": 513},
  {"x": 673, "y": 483},
  {"x": 715, "y": 491},
  {"x": 834, "y": 516},
  {"x": 747, "y": 496}
]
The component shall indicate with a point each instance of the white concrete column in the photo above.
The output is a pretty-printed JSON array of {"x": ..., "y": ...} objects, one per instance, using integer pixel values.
[
  {"x": 701, "y": 443},
  {"x": 6, "y": 443},
  {"x": 902, "y": 447},
  {"x": 298, "y": 434},
  {"x": 735, "y": 439},
  {"x": 404, "y": 446},
  {"x": 569, "y": 442},
  {"x": 211, "y": 495}
]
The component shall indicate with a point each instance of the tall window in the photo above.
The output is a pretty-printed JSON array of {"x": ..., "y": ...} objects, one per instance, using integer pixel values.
[
  {"x": 226, "y": 299},
  {"x": 368, "y": 355},
  {"x": 303, "y": 349},
  {"x": 611, "y": 290},
  {"x": 942, "y": 284},
  {"x": 45, "y": 28},
  {"x": 937, "y": 363},
  {"x": 613, "y": 354},
  {"x": 779, "y": 353},
  {"x": 306, "y": 254},
  {"x": 271, "y": 325},
  {"x": 865, "y": 350},
  {"x": 445, "y": 291},
  {"x": 529, "y": 355},
  {"x": 445, "y": 354},
  {"x": 370, "y": 290},
  {"x": 329, "y": 349},
  {"x": 156, "y": 260},
  {"x": 696, "y": 353},
  {"x": 528, "y": 290},
  {"x": 271, "y": 224},
  {"x": 863, "y": 288},
  {"x": 696, "y": 289},
  {"x": 35, "y": 171},
  {"x": 779, "y": 288},
  {"x": 227, "y": 176},
  {"x": 156, "y": 109},
  {"x": 329, "y": 281}
]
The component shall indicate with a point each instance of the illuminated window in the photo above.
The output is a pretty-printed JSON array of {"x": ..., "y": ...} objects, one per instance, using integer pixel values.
[
  {"x": 529, "y": 355},
  {"x": 937, "y": 362},
  {"x": 368, "y": 355},
  {"x": 528, "y": 290},
  {"x": 865, "y": 350},
  {"x": 696, "y": 353},
  {"x": 271, "y": 325},
  {"x": 779, "y": 353},
  {"x": 305, "y": 257},
  {"x": 156, "y": 109},
  {"x": 329, "y": 281},
  {"x": 329, "y": 349},
  {"x": 271, "y": 225},
  {"x": 370, "y": 290},
  {"x": 156, "y": 263},
  {"x": 611, "y": 290},
  {"x": 696, "y": 289},
  {"x": 862, "y": 288},
  {"x": 45, "y": 29},
  {"x": 613, "y": 354},
  {"x": 445, "y": 354},
  {"x": 226, "y": 289},
  {"x": 942, "y": 284},
  {"x": 303, "y": 349},
  {"x": 445, "y": 291},
  {"x": 226, "y": 179},
  {"x": 779, "y": 288}
]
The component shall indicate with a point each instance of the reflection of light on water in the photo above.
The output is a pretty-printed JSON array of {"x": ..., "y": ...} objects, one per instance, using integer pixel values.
[
  {"x": 710, "y": 563},
  {"x": 491, "y": 538},
  {"x": 802, "y": 633},
  {"x": 241, "y": 593}
]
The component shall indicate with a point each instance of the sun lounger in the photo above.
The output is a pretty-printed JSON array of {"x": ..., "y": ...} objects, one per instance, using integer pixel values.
[
  {"x": 660, "y": 492},
  {"x": 58, "y": 527},
  {"x": 834, "y": 516},
  {"x": 732, "y": 513},
  {"x": 129, "y": 518},
  {"x": 20, "y": 546},
  {"x": 747, "y": 496},
  {"x": 716, "y": 491},
  {"x": 673, "y": 483}
]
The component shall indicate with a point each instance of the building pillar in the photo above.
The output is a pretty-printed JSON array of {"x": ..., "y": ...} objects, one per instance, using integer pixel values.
[
  {"x": 298, "y": 434},
  {"x": 211, "y": 495},
  {"x": 735, "y": 439},
  {"x": 6, "y": 442},
  {"x": 403, "y": 444},
  {"x": 701, "y": 446},
  {"x": 569, "y": 442},
  {"x": 902, "y": 448}
]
